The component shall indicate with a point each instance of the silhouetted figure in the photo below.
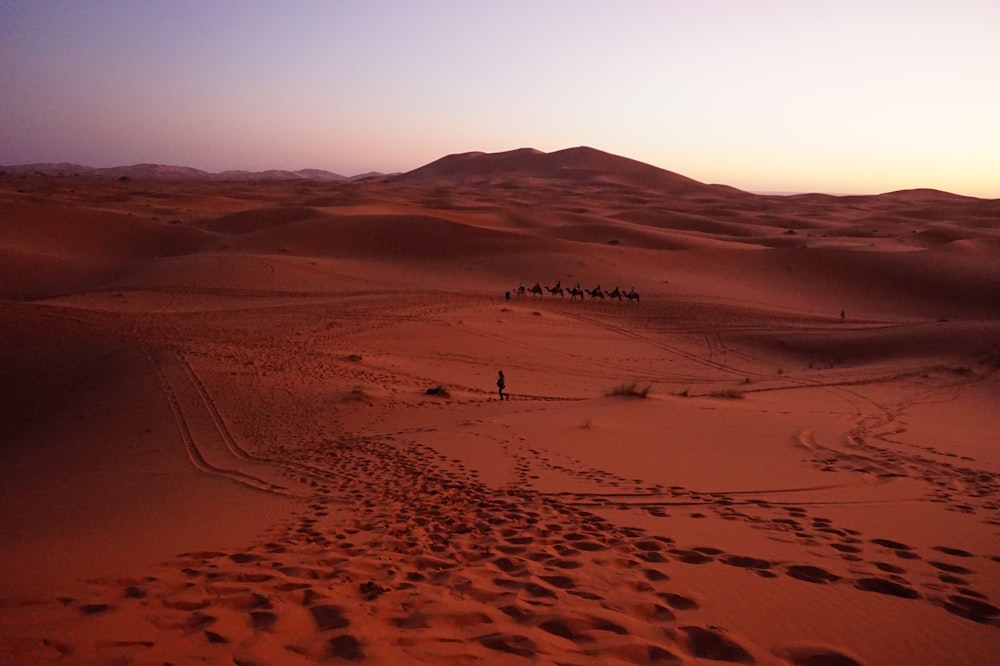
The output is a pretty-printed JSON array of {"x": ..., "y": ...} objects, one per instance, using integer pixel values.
[
  {"x": 842, "y": 315},
  {"x": 501, "y": 385},
  {"x": 507, "y": 295}
]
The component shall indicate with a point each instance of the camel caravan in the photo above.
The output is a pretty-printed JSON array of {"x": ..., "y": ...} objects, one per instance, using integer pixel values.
[{"x": 538, "y": 291}]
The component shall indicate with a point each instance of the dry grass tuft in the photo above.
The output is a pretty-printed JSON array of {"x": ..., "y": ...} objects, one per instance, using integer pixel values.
[
  {"x": 630, "y": 390},
  {"x": 357, "y": 394},
  {"x": 439, "y": 390}
]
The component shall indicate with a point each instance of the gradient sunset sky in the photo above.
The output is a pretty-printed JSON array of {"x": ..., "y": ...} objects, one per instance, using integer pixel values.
[{"x": 770, "y": 96}]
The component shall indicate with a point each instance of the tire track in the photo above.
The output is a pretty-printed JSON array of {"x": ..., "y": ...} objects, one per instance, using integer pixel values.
[{"x": 205, "y": 440}]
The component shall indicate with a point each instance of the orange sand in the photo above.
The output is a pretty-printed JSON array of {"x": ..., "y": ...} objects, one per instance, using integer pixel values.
[{"x": 218, "y": 444}]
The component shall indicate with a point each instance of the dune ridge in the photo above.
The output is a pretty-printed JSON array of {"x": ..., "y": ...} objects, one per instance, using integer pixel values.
[{"x": 256, "y": 421}]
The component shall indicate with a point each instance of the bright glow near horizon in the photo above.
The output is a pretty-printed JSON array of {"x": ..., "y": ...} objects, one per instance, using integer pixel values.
[{"x": 849, "y": 96}]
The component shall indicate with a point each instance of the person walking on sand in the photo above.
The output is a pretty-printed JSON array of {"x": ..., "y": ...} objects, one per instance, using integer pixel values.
[{"x": 501, "y": 385}]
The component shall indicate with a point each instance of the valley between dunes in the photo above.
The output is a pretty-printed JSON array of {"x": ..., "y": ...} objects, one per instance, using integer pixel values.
[{"x": 256, "y": 422}]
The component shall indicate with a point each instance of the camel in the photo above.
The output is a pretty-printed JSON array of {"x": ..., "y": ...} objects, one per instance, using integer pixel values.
[
  {"x": 614, "y": 294},
  {"x": 556, "y": 290},
  {"x": 574, "y": 292},
  {"x": 632, "y": 295},
  {"x": 521, "y": 291},
  {"x": 536, "y": 290},
  {"x": 595, "y": 293}
]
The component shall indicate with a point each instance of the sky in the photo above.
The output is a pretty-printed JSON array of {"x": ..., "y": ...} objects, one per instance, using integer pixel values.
[{"x": 838, "y": 96}]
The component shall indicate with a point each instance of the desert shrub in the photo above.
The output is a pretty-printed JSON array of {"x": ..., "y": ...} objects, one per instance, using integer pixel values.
[
  {"x": 439, "y": 390},
  {"x": 357, "y": 394},
  {"x": 630, "y": 390},
  {"x": 727, "y": 394},
  {"x": 353, "y": 358}
]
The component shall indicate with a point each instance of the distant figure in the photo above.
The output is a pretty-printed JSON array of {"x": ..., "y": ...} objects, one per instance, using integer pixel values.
[
  {"x": 501, "y": 385},
  {"x": 841, "y": 315},
  {"x": 507, "y": 295}
]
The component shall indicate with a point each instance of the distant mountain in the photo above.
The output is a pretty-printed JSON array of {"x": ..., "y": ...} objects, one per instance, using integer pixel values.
[
  {"x": 280, "y": 174},
  {"x": 581, "y": 164},
  {"x": 157, "y": 171},
  {"x": 167, "y": 172}
]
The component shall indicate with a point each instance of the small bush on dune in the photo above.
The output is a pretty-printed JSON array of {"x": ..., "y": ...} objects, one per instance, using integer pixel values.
[
  {"x": 630, "y": 390},
  {"x": 439, "y": 391},
  {"x": 727, "y": 394},
  {"x": 357, "y": 394},
  {"x": 353, "y": 358}
]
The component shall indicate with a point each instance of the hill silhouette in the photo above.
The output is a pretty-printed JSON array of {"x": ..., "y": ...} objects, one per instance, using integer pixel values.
[{"x": 580, "y": 164}]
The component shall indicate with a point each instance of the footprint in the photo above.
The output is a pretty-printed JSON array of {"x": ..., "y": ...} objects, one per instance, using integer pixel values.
[
  {"x": 328, "y": 616},
  {"x": 892, "y": 545},
  {"x": 345, "y": 647},
  {"x": 94, "y": 609},
  {"x": 950, "y": 568},
  {"x": 811, "y": 574},
  {"x": 711, "y": 644},
  {"x": 521, "y": 646},
  {"x": 956, "y": 552},
  {"x": 976, "y": 610},
  {"x": 678, "y": 602},
  {"x": 746, "y": 562},
  {"x": 808, "y": 656},
  {"x": 883, "y": 586},
  {"x": 692, "y": 556}
]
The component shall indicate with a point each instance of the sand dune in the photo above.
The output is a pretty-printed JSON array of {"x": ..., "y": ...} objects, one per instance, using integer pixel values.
[{"x": 256, "y": 422}]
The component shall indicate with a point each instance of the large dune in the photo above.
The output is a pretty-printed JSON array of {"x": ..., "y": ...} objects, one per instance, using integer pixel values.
[{"x": 256, "y": 421}]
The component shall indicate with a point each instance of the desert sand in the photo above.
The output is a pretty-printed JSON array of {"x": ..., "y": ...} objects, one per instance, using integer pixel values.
[{"x": 256, "y": 422}]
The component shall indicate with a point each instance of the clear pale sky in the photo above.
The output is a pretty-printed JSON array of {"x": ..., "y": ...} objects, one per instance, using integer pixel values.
[{"x": 835, "y": 96}]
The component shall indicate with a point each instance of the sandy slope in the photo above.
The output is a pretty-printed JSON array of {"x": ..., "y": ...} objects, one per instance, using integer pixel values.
[{"x": 219, "y": 445}]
